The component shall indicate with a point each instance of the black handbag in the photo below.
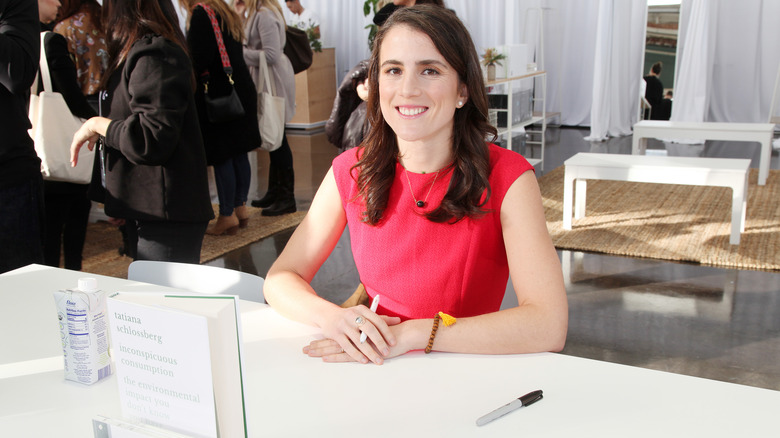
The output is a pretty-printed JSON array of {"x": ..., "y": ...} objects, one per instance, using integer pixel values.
[
  {"x": 220, "y": 109},
  {"x": 297, "y": 49},
  {"x": 223, "y": 108}
]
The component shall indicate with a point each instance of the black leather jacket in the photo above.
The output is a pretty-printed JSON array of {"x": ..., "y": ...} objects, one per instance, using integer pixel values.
[{"x": 346, "y": 126}]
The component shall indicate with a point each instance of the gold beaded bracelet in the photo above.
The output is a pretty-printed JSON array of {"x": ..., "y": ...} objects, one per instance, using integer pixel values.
[{"x": 448, "y": 321}]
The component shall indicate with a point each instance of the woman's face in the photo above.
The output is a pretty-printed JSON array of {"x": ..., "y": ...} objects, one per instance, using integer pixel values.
[
  {"x": 418, "y": 89},
  {"x": 47, "y": 10}
]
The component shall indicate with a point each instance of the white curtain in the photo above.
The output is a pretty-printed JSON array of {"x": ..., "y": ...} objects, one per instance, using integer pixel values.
[
  {"x": 727, "y": 59},
  {"x": 342, "y": 25},
  {"x": 618, "y": 67},
  {"x": 728, "y": 54},
  {"x": 569, "y": 39},
  {"x": 745, "y": 63},
  {"x": 695, "y": 52},
  {"x": 569, "y": 33},
  {"x": 570, "y": 53}
]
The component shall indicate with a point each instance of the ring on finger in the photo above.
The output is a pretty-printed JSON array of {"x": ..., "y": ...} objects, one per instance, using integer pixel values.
[{"x": 360, "y": 321}]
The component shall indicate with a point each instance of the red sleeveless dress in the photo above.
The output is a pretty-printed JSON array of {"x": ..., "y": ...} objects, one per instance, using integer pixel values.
[{"x": 420, "y": 267}]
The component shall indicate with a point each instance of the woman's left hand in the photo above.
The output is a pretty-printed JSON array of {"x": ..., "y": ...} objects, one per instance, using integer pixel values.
[
  {"x": 330, "y": 350},
  {"x": 88, "y": 134}
]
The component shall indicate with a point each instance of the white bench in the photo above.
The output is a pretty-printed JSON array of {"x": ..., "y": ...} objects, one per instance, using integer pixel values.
[
  {"x": 759, "y": 132},
  {"x": 723, "y": 172}
]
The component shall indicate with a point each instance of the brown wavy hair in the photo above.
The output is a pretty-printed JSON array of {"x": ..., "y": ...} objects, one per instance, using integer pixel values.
[
  {"x": 469, "y": 189},
  {"x": 127, "y": 21}
]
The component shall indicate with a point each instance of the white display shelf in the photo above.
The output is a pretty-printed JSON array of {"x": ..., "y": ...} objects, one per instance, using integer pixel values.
[{"x": 537, "y": 116}]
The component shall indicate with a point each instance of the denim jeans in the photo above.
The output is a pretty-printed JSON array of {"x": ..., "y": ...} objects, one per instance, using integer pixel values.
[
  {"x": 21, "y": 224},
  {"x": 232, "y": 177}
]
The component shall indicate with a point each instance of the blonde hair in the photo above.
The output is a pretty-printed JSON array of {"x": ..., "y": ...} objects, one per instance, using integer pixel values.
[
  {"x": 231, "y": 22},
  {"x": 252, "y": 6}
]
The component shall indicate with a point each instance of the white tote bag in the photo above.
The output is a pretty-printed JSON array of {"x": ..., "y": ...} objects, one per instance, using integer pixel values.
[
  {"x": 53, "y": 127},
  {"x": 270, "y": 109}
]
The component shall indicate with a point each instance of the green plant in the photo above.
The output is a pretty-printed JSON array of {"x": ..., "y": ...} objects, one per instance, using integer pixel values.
[
  {"x": 313, "y": 32},
  {"x": 492, "y": 57},
  {"x": 369, "y": 6}
]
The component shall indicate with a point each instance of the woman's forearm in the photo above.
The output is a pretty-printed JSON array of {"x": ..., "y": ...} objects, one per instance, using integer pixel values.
[
  {"x": 295, "y": 299},
  {"x": 523, "y": 329},
  {"x": 99, "y": 125}
]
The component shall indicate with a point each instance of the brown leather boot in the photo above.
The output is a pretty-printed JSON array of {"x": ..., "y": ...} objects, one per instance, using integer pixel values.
[{"x": 224, "y": 225}]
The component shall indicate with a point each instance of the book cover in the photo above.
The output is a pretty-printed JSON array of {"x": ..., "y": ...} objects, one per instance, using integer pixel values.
[{"x": 178, "y": 361}]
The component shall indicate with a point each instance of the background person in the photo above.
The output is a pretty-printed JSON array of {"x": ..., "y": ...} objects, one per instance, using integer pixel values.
[
  {"x": 303, "y": 18},
  {"x": 666, "y": 106},
  {"x": 21, "y": 196},
  {"x": 264, "y": 26},
  {"x": 80, "y": 23},
  {"x": 67, "y": 204},
  {"x": 654, "y": 93},
  {"x": 226, "y": 143},
  {"x": 155, "y": 164},
  {"x": 437, "y": 217}
]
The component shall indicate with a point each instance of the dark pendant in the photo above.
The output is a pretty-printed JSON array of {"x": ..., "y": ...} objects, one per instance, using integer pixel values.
[{"x": 420, "y": 204}]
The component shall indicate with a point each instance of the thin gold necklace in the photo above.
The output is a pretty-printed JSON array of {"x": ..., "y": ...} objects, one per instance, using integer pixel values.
[{"x": 422, "y": 203}]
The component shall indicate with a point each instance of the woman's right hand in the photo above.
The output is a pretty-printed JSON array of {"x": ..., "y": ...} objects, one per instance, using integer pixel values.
[{"x": 342, "y": 335}]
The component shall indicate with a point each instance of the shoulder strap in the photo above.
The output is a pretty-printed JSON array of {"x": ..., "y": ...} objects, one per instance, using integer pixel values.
[
  {"x": 270, "y": 84},
  {"x": 43, "y": 63},
  {"x": 220, "y": 43}
]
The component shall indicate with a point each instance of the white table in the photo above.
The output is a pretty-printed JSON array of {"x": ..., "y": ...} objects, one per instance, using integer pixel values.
[
  {"x": 291, "y": 395},
  {"x": 697, "y": 171},
  {"x": 758, "y": 132}
]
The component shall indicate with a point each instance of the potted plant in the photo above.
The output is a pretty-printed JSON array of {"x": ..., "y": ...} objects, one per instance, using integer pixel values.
[
  {"x": 490, "y": 58},
  {"x": 313, "y": 32}
]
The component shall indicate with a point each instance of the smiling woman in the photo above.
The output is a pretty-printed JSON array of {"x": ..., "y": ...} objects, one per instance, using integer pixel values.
[
  {"x": 438, "y": 218},
  {"x": 419, "y": 91}
]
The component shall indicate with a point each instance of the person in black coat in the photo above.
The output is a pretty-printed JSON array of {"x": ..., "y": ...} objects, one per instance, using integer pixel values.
[
  {"x": 67, "y": 205},
  {"x": 654, "y": 93},
  {"x": 227, "y": 143},
  {"x": 21, "y": 198},
  {"x": 151, "y": 155}
]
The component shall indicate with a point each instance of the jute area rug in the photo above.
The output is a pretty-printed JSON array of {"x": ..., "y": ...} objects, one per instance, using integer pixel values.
[
  {"x": 670, "y": 222},
  {"x": 101, "y": 255}
]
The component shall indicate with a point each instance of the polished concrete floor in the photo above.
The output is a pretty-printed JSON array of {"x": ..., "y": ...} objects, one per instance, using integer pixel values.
[{"x": 721, "y": 324}]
